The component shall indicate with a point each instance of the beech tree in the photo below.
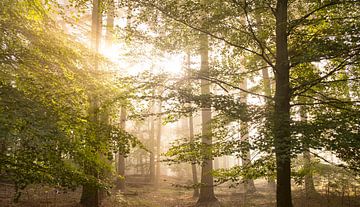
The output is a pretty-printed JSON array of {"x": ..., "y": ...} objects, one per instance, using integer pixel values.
[
  {"x": 279, "y": 45},
  {"x": 47, "y": 87},
  {"x": 309, "y": 48}
]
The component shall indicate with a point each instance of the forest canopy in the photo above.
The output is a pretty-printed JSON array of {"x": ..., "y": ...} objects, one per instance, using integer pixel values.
[{"x": 89, "y": 91}]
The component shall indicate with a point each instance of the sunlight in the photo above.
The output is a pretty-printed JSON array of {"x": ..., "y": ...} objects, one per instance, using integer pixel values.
[
  {"x": 172, "y": 63},
  {"x": 112, "y": 52},
  {"x": 167, "y": 63}
]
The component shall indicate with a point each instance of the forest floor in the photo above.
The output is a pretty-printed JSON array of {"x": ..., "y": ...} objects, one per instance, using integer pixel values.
[{"x": 166, "y": 195}]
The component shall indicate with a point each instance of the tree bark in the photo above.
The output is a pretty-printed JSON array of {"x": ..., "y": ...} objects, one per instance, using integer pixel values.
[
  {"x": 120, "y": 184},
  {"x": 267, "y": 83},
  {"x": 90, "y": 193},
  {"x": 191, "y": 137},
  {"x": 282, "y": 139},
  {"x": 309, "y": 182},
  {"x": 193, "y": 165},
  {"x": 152, "y": 148},
  {"x": 207, "y": 197},
  {"x": 110, "y": 24},
  {"x": 267, "y": 92},
  {"x": 249, "y": 185},
  {"x": 158, "y": 147}
]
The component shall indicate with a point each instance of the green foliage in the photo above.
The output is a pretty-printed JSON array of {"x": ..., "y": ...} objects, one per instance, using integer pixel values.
[
  {"x": 264, "y": 167},
  {"x": 47, "y": 88},
  {"x": 323, "y": 51}
]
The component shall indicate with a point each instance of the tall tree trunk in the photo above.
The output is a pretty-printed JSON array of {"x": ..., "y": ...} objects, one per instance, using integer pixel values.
[
  {"x": 266, "y": 81},
  {"x": 158, "y": 146},
  {"x": 246, "y": 156},
  {"x": 191, "y": 136},
  {"x": 267, "y": 92},
  {"x": 282, "y": 139},
  {"x": 120, "y": 181},
  {"x": 142, "y": 169},
  {"x": 120, "y": 184},
  {"x": 110, "y": 24},
  {"x": 207, "y": 197},
  {"x": 309, "y": 182},
  {"x": 216, "y": 163},
  {"x": 90, "y": 193},
  {"x": 193, "y": 165},
  {"x": 152, "y": 148}
]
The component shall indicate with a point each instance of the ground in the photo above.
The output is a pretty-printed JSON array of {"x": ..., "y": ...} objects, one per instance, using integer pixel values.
[{"x": 166, "y": 195}]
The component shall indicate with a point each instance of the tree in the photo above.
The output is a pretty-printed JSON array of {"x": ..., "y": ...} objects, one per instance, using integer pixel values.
[
  {"x": 244, "y": 133},
  {"x": 121, "y": 157},
  {"x": 309, "y": 182},
  {"x": 152, "y": 140},
  {"x": 47, "y": 135},
  {"x": 191, "y": 137},
  {"x": 302, "y": 35},
  {"x": 206, "y": 196},
  {"x": 158, "y": 145},
  {"x": 282, "y": 140},
  {"x": 90, "y": 196}
]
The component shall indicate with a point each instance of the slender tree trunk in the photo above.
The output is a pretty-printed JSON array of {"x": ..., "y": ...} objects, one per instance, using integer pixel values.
[
  {"x": 90, "y": 193},
  {"x": 267, "y": 92},
  {"x": 110, "y": 24},
  {"x": 152, "y": 148},
  {"x": 193, "y": 165},
  {"x": 226, "y": 162},
  {"x": 216, "y": 163},
  {"x": 282, "y": 139},
  {"x": 120, "y": 181},
  {"x": 207, "y": 197},
  {"x": 267, "y": 83},
  {"x": 246, "y": 156},
  {"x": 120, "y": 184},
  {"x": 191, "y": 137},
  {"x": 142, "y": 170},
  {"x": 309, "y": 182},
  {"x": 158, "y": 147}
]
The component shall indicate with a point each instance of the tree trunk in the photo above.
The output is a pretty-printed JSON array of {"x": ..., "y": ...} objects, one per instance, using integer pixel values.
[
  {"x": 193, "y": 165},
  {"x": 249, "y": 185},
  {"x": 267, "y": 83},
  {"x": 158, "y": 147},
  {"x": 207, "y": 197},
  {"x": 309, "y": 182},
  {"x": 120, "y": 184},
  {"x": 110, "y": 24},
  {"x": 152, "y": 148},
  {"x": 191, "y": 137},
  {"x": 267, "y": 92},
  {"x": 142, "y": 169},
  {"x": 90, "y": 193},
  {"x": 282, "y": 139}
]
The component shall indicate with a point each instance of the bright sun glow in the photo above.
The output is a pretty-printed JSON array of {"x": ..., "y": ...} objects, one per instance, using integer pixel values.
[
  {"x": 171, "y": 64},
  {"x": 167, "y": 63}
]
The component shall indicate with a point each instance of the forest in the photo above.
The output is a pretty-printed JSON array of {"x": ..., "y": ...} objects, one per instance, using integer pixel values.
[{"x": 180, "y": 103}]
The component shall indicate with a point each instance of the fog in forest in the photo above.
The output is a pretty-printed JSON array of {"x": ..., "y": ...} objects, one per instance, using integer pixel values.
[{"x": 179, "y": 103}]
